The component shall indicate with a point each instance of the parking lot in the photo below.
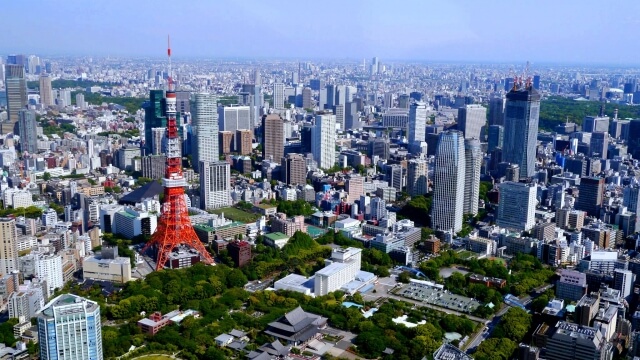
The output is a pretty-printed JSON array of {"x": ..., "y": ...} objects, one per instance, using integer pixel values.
[{"x": 437, "y": 296}]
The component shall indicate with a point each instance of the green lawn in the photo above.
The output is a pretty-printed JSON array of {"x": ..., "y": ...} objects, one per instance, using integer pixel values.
[
  {"x": 153, "y": 357},
  {"x": 466, "y": 254},
  {"x": 237, "y": 214}
]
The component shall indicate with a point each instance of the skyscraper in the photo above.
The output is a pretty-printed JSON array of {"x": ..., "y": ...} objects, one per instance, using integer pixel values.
[
  {"x": 496, "y": 111},
  {"x": 27, "y": 131},
  {"x": 595, "y": 123},
  {"x": 590, "y": 195},
  {"x": 243, "y": 141},
  {"x": 417, "y": 177},
  {"x": 8, "y": 246},
  {"x": 521, "y": 129},
  {"x": 154, "y": 117},
  {"x": 473, "y": 163},
  {"x": 278, "y": 96},
  {"x": 417, "y": 126},
  {"x": 351, "y": 120},
  {"x": 273, "y": 137},
  {"x": 340, "y": 117},
  {"x": 293, "y": 169},
  {"x": 323, "y": 140},
  {"x": 70, "y": 329},
  {"x": 495, "y": 138},
  {"x": 517, "y": 205},
  {"x": 46, "y": 95},
  {"x": 205, "y": 128},
  {"x": 599, "y": 144},
  {"x": 471, "y": 119},
  {"x": 16, "y": 87},
  {"x": 449, "y": 178},
  {"x": 215, "y": 184},
  {"x": 232, "y": 118},
  {"x": 306, "y": 98},
  {"x": 331, "y": 96}
]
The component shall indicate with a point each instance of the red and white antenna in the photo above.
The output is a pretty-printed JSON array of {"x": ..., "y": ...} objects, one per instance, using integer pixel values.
[{"x": 169, "y": 55}]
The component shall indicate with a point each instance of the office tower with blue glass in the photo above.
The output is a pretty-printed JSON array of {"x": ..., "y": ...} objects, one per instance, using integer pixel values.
[
  {"x": 522, "y": 111},
  {"x": 69, "y": 328}
]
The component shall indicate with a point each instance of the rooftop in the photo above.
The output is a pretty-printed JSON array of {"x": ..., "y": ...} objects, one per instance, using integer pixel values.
[
  {"x": 276, "y": 236},
  {"x": 68, "y": 304}
]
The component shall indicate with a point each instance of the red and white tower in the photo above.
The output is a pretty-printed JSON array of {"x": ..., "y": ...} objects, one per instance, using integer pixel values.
[{"x": 174, "y": 226}]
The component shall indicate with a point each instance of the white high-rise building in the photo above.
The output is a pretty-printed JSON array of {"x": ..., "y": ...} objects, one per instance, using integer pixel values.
[
  {"x": 517, "y": 206},
  {"x": 215, "y": 185},
  {"x": 340, "y": 270},
  {"x": 417, "y": 126},
  {"x": 449, "y": 178},
  {"x": 473, "y": 163},
  {"x": 44, "y": 266},
  {"x": 69, "y": 328},
  {"x": 323, "y": 140},
  {"x": 8, "y": 246},
  {"x": 205, "y": 127},
  {"x": 278, "y": 96},
  {"x": 80, "y": 101},
  {"x": 623, "y": 280},
  {"x": 471, "y": 119},
  {"x": 417, "y": 177},
  {"x": 233, "y": 118}
]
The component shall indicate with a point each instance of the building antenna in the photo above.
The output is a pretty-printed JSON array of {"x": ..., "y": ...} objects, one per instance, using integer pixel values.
[{"x": 169, "y": 56}]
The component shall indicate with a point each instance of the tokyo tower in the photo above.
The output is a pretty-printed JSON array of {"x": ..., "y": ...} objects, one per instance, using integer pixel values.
[{"x": 174, "y": 226}]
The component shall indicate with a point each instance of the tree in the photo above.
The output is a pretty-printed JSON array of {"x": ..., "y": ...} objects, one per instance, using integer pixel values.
[
  {"x": 46, "y": 176},
  {"x": 495, "y": 349},
  {"x": 514, "y": 324},
  {"x": 404, "y": 277}
]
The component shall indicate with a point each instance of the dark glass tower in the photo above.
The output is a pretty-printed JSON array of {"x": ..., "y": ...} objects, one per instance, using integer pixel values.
[
  {"x": 154, "y": 117},
  {"x": 522, "y": 111}
]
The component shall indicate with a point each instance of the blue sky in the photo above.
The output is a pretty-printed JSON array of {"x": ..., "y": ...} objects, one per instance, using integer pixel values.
[{"x": 460, "y": 30}]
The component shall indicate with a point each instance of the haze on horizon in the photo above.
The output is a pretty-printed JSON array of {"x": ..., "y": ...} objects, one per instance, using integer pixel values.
[{"x": 454, "y": 30}]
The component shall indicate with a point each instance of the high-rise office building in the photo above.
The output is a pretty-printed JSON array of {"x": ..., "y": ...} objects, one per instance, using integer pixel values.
[
  {"x": 522, "y": 111},
  {"x": 69, "y": 328},
  {"x": 568, "y": 341},
  {"x": 306, "y": 98},
  {"x": 355, "y": 187},
  {"x": 232, "y": 118},
  {"x": 351, "y": 120},
  {"x": 595, "y": 123},
  {"x": 205, "y": 127},
  {"x": 16, "y": 88},
  {"x": 473, "y": 163},
  {"x": 417, "y": 177},
  {"x": 449, "y": 178},
  {"x": 417, "y": 126},
  {"x": 8, "y": 246},
  {"x": 331, "y": 96},
  {"x": 215, "y": 184},
  {"x": 80, "y": 101},
  {"x": 273, "y": 137},
  {"x": 278, "y": 96},
  {"x": 225, "y": 142},
  {"x": 154, "y": 117},
  {"x": 496, "y": 111},
  {"x": 495, "y": 137},
  {"x": 591, "y": 191},
  {"x": 623, "y": 280},
  {"x": 471, "y": 119},
  {"x": 46, "y": 93},
  {"x": 243, "y": 141},
  {"x": 517, "y": 205},
  {"x": 323, "y": 140},
  {"x": 340, "y": 117},
  {"x": 293, "y": 169},
  {"x": 599, "y": 144},
  {"x": 27, "y": 131}
]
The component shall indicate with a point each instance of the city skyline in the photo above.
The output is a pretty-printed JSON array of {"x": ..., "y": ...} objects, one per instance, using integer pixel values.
[{"x": 454, "y": 31}]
